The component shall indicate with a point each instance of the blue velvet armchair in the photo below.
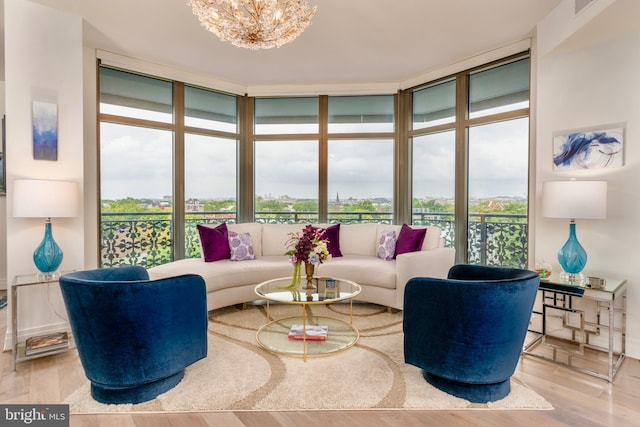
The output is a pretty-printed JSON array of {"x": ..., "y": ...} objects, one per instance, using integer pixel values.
[
  {"x": 466, "y": 332},
  {"x": 135, "y": 336}
]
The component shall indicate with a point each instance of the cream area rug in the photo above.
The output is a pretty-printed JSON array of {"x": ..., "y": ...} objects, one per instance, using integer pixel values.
[{"x": 238, "y": 374}]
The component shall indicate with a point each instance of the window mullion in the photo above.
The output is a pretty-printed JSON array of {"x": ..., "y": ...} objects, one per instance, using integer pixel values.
[
  {"x": 462, "y": 163},
  {"x": 323, "y": 144},
  {"x": 246, "y": 188},
  {"x": 178, "y": 172}
]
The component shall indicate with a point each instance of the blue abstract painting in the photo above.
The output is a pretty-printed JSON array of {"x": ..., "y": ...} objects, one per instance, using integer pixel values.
[
  {"x": 45, "y": 131},
  {"x": 591, "y": 149}
]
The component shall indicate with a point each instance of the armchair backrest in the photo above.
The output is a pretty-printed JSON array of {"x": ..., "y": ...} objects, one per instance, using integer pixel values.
[
  {"x": 478, "y": 316},
  {"x": 119, "y": 318}
]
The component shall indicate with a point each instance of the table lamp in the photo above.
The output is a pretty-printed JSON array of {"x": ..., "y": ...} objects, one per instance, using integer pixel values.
[
  {"x": 37, "y": 198},
  {"x": 574, "y": 200}
]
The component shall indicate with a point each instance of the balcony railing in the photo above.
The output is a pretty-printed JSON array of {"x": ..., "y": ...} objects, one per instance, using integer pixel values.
[{"x": 145, "y": 238}]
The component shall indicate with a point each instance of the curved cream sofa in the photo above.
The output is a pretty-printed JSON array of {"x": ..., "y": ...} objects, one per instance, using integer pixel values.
[{"x": 233, "y": 282}]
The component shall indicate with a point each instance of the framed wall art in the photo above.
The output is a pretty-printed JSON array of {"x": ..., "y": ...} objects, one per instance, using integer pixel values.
[
  {"x": 45, "y": 131},
  {"x": 589, "y": 148}
]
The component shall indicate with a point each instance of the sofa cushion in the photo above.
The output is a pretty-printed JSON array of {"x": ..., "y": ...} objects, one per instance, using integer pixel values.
[
  {"x": 227, "y": 273},
  {"x": 276, "y": 236},
  {"x": 358, "y": 239},
  {"x": 432, "y": 239},
  {"x": 362, "y": 269},
  {"x": 241, "y": 247},
  {"x": 332, "y": 234},
  {"x": 409, "y": 239},
  {"x": 214, "y": 242}
]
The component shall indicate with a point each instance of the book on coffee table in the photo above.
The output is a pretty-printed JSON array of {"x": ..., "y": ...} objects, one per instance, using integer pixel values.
[
  {"x": 314, "y": 332},
  {"x": 41, "y": 344}
]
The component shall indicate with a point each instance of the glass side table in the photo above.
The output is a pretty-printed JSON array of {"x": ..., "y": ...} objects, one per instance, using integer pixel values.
[
  {"x": 18, "y": 349},
  {"x": 608, "y": 319}
]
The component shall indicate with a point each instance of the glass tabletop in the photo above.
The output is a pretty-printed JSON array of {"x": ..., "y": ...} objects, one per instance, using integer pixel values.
[
  {"x": 610, "y": 290},
  {"x": 274, "y": 337},
  {"x": 326, "y": 291}
]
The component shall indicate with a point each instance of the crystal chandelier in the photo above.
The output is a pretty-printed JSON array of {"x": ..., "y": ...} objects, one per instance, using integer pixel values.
[{"x": 254, "y": 24}]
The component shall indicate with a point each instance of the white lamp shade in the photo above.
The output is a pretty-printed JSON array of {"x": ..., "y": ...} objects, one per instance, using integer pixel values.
[
  {"x": 574, "y": 199},
  {"x": 37, "y": 198}
]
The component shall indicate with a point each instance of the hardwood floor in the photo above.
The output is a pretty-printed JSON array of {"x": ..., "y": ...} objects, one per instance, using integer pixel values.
[{"x": 578, "y": 399}]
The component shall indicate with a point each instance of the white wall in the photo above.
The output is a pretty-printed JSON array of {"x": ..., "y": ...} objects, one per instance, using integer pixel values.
[
  {"x": 43, "y": 61},
  {"x": 590, "y": 81},
  {"x": 3, "y": 222}
]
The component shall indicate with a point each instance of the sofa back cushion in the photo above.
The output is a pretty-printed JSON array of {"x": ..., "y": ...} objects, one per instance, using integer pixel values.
[
  {"x": 358, "y": 239},
  {"x": 276, "y": 236},
  {"x": 254, "y": 230},
  {"x": 433, "y": 238},
  {"x": 355, "y": 239}
]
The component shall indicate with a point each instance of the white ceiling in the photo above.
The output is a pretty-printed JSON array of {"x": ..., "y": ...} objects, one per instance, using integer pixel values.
[{"x": 349, "y": 41}]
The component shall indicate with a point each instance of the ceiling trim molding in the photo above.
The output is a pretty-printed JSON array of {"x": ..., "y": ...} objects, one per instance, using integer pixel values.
[
  {"x": 324, "y": 89},
  {"x": 380, "y": 88},
  {"x": 466, "y": 64},
  {"x": 163, "y": 71}
]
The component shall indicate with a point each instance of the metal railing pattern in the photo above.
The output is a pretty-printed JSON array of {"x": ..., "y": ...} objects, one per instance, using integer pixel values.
[{"x": 146, "y": 238}]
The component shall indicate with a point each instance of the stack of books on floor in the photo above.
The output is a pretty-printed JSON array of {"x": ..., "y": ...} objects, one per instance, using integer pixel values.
[
  {"x": 44, "y": 343},
  {"x": 314, "y": 332}
]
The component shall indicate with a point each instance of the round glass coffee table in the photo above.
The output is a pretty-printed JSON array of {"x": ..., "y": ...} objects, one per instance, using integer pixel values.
[{"x": 309, "y": 338}]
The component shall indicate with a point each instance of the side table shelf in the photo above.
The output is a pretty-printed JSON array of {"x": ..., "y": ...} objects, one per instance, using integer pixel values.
[
  {"x": 18, "y": 349},
  {"x": 607, "y": 319}
]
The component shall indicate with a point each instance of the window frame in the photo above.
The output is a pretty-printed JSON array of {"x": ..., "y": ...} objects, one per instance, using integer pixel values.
[
  {"x": 402, "y": 135},
  {"x": 460, "y": 125}
]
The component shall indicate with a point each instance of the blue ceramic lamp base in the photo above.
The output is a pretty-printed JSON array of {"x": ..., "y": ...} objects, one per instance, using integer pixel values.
[
  {"x": 572, "y": 258},
  {"x": 48, "y": 255}
]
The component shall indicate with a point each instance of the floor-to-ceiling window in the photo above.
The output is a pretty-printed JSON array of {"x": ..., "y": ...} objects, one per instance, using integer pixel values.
[
  {"x": 325, "y": 158},
  {"x": 470, "y": 161},
  {"x": 168, "y": 160},
  {"x": 174, "y": 155},
  {"x": 286, "y": 159},
  {"x": 210, "y": 165},
  {"x": 360, "y": 158}
]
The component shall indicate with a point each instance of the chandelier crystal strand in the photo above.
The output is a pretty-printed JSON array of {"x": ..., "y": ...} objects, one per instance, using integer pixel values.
[{"x": 254, "y": 24}]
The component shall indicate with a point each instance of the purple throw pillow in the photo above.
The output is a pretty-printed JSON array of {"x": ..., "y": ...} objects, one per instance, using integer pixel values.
[
  {"x": 409, "y": 239},
  {"x": 332, "y": 234},
  {"x": 241, "y": 247},
  {"x": 214, "y": 242}
]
